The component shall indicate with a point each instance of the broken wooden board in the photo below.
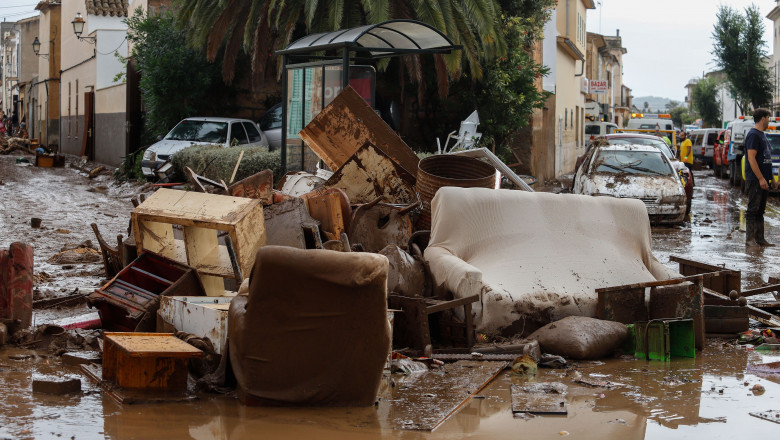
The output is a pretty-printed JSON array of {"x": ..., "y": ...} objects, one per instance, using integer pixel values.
[
  {"x": 423, "y": 401},
  {"x": 539, "y": 398},
  {"x": 345, "y": 125},
  {"x": 369, "y": 174},
  {"x": 756, "y": 313},
  {"x": 772, "y": 415},
  {"x": 332, "y": 210},
  {"x": 257, "y": 186}
]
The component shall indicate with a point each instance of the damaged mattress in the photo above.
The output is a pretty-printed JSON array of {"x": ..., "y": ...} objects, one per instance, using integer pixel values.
[{"x": 534, "y": 258}]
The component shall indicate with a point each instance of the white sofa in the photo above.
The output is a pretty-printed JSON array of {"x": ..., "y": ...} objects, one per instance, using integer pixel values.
[{"x": 536, "y": 257}]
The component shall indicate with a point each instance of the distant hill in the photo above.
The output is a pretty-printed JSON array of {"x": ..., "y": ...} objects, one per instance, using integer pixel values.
[{"x": 654, "y": 102}]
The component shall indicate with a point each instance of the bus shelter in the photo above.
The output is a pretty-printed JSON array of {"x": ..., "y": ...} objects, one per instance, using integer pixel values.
[{"x": 314, "y": 73}]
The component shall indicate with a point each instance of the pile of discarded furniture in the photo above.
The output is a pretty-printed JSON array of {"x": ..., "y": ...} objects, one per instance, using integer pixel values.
[{"x": 382, "y": 251}]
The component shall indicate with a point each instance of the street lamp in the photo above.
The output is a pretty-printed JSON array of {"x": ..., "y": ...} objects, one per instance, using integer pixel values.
[
  {"x": 36, "y": 46},
  {"x": 78, "y": 28}
]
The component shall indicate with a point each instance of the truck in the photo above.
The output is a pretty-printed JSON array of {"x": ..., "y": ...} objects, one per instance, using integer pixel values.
[{"x": 737, "y": 130}]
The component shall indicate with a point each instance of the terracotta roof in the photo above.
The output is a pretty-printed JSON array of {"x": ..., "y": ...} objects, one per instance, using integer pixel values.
[{"x": 113, "y": 8}]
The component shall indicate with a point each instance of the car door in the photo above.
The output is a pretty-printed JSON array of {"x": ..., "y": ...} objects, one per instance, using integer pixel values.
[
  {"x": 271, "y": 125},
  {"x": 238, "y": 135},
  {"x": 256, "y": 137}
]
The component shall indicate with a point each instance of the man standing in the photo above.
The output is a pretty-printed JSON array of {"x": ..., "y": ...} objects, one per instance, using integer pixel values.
[
  {"x": 686, "y": 152},
  {"x": 758, "y": 174}
]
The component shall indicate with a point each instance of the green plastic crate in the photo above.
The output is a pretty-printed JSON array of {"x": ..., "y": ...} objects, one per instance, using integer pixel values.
[{"x": 665, "y": 338}]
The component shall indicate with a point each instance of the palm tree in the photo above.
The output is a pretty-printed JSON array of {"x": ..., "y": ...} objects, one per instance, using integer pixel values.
[{"x": 259, "y": 27}]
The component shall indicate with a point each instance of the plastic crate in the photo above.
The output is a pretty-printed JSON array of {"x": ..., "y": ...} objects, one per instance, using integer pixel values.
[{"x": 664, "y": 338}]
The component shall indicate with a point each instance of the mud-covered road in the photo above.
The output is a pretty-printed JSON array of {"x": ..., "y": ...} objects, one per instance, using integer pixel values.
[{"x": 709, "y": 397}]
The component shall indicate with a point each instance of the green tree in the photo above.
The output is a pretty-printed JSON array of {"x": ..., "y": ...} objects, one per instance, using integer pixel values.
[
  {"x": 507, "y": 94},
  {"x": 705, "y": 102},
  {"x": 681, "y": 116},
  {"x": 739, "y": 50},
  {"x": 176, "y": 81},
  {"x": 258, "y": 27}
]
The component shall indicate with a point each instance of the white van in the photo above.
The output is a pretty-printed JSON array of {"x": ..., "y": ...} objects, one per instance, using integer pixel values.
[
  {"x": 596, "y": 129},
  {"x": 703, "y": 143}
]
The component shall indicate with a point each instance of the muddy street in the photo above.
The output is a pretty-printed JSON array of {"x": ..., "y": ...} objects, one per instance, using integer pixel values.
[
  {"x": 710, "y": 396},
  {"x": 716, "y": 233}
]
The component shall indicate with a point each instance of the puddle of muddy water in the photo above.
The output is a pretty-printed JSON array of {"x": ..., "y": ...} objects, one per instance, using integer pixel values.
[{"x": 701, "y": 398}]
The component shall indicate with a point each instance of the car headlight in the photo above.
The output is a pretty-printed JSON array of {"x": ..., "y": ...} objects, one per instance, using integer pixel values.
[{"x": 151, "y": 156}]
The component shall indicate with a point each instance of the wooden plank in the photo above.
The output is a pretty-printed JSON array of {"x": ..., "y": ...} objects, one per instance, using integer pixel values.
[
  {"x": 248, "y": 237},
  {"x": 438, "y": 306},
  {"x": 760, "y": 290},
  {"x": 203, "y": 250},
  {"x": 152, "y": 344},
  {"x": 158, "y": 238},
  {"x": 189, "y": 208},
  {"x": 423, "y": 401},
  {"x": 369, "y": 174},
  {"x": 327, "y": 209},
  {"x": 539, "y": 398},
  {"x": 693, "y": 278},
  {"x": 759, "y": 315},
  {"x": 345, "y": 125}
]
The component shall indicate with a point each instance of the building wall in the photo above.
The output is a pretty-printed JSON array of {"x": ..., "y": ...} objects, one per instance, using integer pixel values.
[
  {"x": 88, "y": 68},
  {"x": 45, "y": 91},
  {"x": 29, "y": 62},
  {"x": 110, "y": 136},
  {"x": 111, "y": 52},
  {"x": 75, "y": 82},
  {"x": 570, "y": 99}
]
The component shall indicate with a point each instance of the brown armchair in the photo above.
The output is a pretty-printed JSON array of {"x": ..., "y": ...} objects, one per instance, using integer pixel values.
[{"x": 312, "y": 330}]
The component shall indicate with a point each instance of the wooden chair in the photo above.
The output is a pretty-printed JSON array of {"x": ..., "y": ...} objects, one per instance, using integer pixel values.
[{"x": 112, "y": 257}]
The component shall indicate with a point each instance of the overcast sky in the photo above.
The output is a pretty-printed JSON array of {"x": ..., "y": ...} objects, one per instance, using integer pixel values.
[
  {"x": 668, "y": 42},
  {"x": 15, "y": 10}
]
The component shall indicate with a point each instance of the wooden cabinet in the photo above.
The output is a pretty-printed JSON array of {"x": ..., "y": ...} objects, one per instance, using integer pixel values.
[{"x": 193, "y": 228}]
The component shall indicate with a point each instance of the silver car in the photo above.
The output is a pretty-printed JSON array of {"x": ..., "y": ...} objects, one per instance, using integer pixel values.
[
  {"x": 640, "y": 172},
  {"x": 200, "y": 131}
]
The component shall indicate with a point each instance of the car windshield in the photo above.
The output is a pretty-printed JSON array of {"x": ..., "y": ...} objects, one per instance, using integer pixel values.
[
  {"x": 657, "y": 143},
  {"x": 774, "y": 142},
  {"x": 632, "y": 162},
  {"x": 592, "y": 129},
  {"x": 199, "y": 131}
]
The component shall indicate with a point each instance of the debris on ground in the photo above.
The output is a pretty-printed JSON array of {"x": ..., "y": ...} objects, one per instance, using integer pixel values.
[{"x": 539, "y": 398}]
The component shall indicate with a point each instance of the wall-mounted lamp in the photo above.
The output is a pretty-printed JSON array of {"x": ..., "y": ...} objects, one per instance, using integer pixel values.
[
  {"x": 78, "y": 28},
  {"x": 36, "y": 46}
]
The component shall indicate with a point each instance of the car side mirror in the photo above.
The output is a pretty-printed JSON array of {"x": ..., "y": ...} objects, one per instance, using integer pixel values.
[{"x": 160, "y": 137}]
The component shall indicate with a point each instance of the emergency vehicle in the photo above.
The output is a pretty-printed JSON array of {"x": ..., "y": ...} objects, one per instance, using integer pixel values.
[
  {"x": 737, "y": 130},
  {"x": 649, "y": 123}
]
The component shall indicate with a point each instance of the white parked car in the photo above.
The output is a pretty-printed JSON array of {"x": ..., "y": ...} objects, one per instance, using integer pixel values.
[
  {"x": 634, "y": 171},
  {"x": 200, "y": 131}
]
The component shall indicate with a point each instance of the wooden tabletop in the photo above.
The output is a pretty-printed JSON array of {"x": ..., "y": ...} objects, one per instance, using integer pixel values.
[{"x": 153, "y": 345}]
